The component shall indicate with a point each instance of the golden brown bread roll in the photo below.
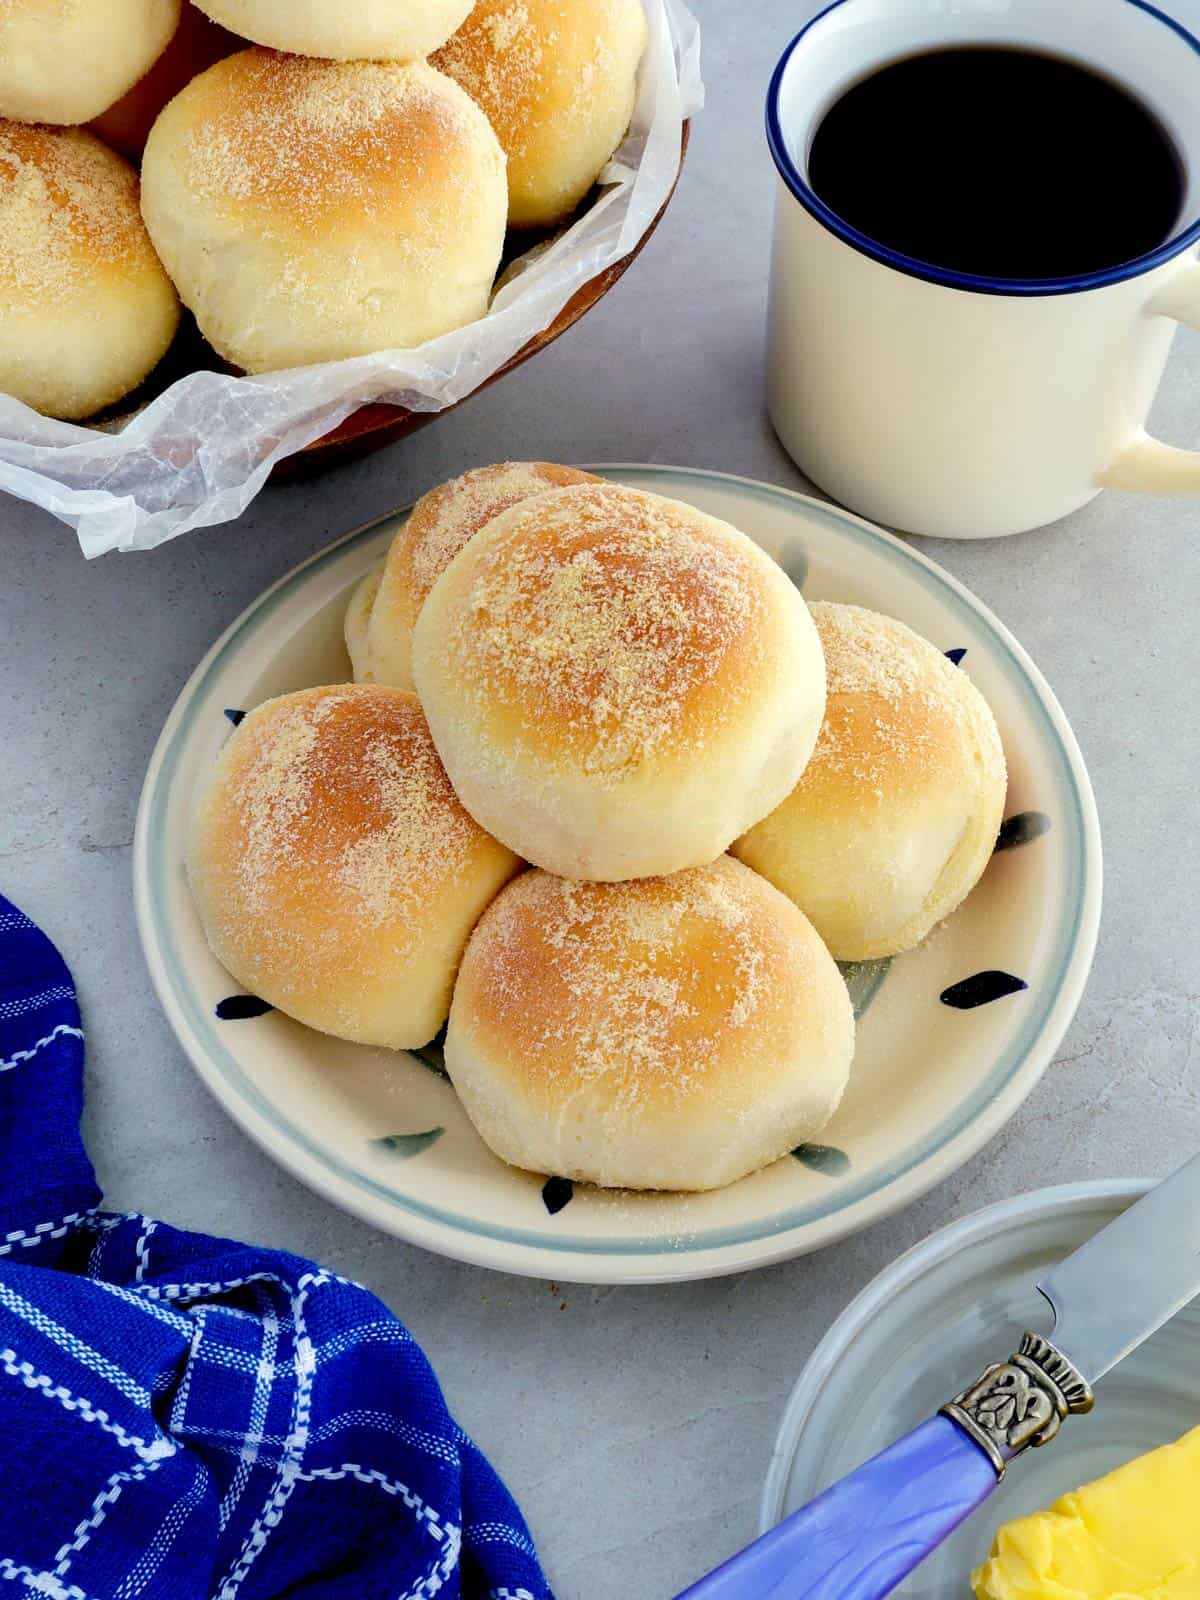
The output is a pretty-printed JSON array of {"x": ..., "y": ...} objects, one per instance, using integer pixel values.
[
  {"x": 358, "y": 621},
  {"x": 673, "y": 1033},
  {"x": 896, "y": 815},
  {"x": 66, "y": 61},
  {"x": 86, "y": 310},
  {"x": 618, "y": 684},
  {"x": 558, "y": 79},
  {"x": 315, "y": 210},
  {"x": 343, "y": 30},
  {"x": 196, "y": 44},
  {"x": 335, "y": 873},
  {"x": 440, "y": 525}
]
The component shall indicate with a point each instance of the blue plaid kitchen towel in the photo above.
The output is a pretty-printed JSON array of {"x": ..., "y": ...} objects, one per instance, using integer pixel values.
[{"x": 184, "y": 1417}]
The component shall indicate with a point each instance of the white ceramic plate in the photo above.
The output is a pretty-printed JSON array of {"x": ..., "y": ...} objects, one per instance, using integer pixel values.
[
  {"x": 929, "y": 1324},
  {"x": 931, "y": 1082}
]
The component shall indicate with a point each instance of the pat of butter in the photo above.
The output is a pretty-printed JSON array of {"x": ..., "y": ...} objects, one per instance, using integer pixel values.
[{"x": 1134, "y": 1535}]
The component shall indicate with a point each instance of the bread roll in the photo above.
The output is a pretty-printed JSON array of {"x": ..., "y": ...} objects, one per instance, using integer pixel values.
[
  {"x": 358, "y": 620},
  {"x": 558, "y": 79},
  {"x": 440, "y": 525},
  {"x": 335, "y": 873},
  {"x": 196, "y": 44},
  {"x": 66, "y": 61},
  {"x": 314, "y": 210},
  {"x": 674, "y": 1033},
  {"x": 343, "y": 30},
  {"x": 86, "y": 310},
  {"x": 896, "y": 816},
  {"x": 618, "y": 684}
]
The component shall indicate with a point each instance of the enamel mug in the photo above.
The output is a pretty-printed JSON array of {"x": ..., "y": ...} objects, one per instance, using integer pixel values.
[{"x": 960, "y": 406}]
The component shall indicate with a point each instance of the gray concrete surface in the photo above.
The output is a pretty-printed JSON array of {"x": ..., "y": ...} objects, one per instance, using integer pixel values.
[{"x": 634, "y": 1425}]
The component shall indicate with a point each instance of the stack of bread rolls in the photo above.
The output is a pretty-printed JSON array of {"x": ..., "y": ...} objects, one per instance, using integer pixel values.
[
  {"x": 319, "y": 180},
  {"x": 609, "y": 796}
]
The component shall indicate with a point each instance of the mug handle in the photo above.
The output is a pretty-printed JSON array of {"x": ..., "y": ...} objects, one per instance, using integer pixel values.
[{"x": 1146, "y": 463}]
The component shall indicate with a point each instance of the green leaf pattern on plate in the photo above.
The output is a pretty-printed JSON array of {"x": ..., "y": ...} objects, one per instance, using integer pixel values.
[
  {"x": 407, "y": 1145},
  {"x": 826, "y": 1159},
  {"x": 864, "y": 979}
]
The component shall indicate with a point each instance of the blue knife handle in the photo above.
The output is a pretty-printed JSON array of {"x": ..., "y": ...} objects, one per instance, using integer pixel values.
[{"x": 860, "y": 1538}]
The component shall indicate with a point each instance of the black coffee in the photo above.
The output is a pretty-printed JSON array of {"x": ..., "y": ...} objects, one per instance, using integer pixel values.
[{"x": 1000, "y": 162}]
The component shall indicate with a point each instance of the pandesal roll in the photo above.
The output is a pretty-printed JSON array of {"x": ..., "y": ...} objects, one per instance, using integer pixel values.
[
  {"x": 195, "y": 45},
  {"x": 343, "y": 30},
  {"x": 335, "y": 873},
  {"x": 672, "y": 1033},
  {"x": 358, "y": 621},
  {"x": 86, "y": 310},
  {"x": 66, "y": 61},
  {"x": 617, "y": 684},
  {"x": 441, "y": 523},
  {"x": 896, "y": 815},
  {"x": 558, "y": 80},
  {"x": 316, "y": 210}
]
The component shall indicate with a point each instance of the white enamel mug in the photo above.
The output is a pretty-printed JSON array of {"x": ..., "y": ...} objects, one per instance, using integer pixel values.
[{"x": 940, "y": 402}]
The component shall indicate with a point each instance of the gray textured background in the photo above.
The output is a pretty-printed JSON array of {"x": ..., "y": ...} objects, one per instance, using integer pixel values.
[{"x": 633, "y": 1424}]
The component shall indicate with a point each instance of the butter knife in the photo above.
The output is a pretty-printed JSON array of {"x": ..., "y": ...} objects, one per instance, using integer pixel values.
[{"x": 864, "y": 1535}]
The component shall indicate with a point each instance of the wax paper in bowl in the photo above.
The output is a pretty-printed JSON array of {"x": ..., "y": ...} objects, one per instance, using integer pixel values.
[{"x": 201, "y": 451}]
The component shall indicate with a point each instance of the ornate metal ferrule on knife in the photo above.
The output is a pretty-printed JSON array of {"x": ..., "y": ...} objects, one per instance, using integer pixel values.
[{"x": 1022, "y": 1402}]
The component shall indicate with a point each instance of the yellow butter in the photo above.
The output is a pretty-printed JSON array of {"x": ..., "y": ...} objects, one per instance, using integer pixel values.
[{"x": 1134, "y": 1535}]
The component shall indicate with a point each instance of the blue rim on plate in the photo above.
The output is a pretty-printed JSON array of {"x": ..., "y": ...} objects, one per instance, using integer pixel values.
[
  {"x": 946, "y": 1145},
  {"x": 948, "y": 276}
]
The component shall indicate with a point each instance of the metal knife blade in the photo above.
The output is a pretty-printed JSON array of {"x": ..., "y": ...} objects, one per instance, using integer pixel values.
[{"x": 1130, "y": 1278}]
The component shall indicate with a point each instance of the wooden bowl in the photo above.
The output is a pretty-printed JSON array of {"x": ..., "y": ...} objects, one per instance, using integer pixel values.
[{"x": 374, "y": 426}]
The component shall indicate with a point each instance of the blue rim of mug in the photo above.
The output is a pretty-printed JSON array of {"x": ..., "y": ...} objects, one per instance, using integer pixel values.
[
  {"x": 1018, "y": 1067},
  {"x": 947, "y": 276}
]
